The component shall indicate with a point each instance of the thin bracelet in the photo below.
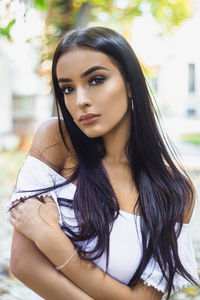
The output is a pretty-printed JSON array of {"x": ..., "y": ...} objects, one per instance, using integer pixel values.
[{"x": 67, "y": 261}]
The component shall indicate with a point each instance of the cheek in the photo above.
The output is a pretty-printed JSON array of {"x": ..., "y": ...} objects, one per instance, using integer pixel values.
[
  {"x": 70, "y": 107},
  {"x": 116, "y": 97}
]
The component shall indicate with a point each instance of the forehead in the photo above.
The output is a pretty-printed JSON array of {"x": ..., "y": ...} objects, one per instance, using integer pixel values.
[{"x": 80, "y": 59}]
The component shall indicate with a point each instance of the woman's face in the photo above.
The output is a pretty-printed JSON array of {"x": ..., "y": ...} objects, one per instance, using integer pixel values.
[{"x": 94, "y": 91}]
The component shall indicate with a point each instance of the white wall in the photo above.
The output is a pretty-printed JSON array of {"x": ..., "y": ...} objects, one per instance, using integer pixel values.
[
  {"x": 173, "y": 75},
  {"x": 5, "y": 95},
  {"x": 171, "y": 54}
]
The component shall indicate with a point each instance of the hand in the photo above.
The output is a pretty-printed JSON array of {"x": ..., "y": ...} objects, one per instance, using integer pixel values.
[
  {"x": 49, "y": 213},
  {"x": 32, "y": 217}
]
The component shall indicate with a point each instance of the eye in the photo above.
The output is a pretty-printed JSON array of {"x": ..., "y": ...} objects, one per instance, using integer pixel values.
[
  {"x": 67, "y": 90},
  {"x": 97, "y": 80}
]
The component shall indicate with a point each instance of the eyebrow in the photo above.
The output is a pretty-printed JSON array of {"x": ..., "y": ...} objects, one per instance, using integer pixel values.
[{"x": 90, "y": 70}]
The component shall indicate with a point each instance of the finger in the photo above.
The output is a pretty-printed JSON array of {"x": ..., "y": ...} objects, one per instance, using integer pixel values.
[
  {"x": 12, "y": 221},
  {"x": 33, "y": 201},
  {"x": 20, "y": 207},
  {"x": 15, "y": 223},
  {"x": 13, "y": 212},
  {"x": 48, "y": 200},
  {"x": 16, "y": 202}
]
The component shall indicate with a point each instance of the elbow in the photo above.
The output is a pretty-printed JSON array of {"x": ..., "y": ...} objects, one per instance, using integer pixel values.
[
  {"x": 16, "y": 266},
  {"x": 19, "y": 255}
]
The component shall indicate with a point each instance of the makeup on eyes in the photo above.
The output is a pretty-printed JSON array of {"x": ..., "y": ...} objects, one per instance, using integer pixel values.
[
  {"x": 98, "y": 79},
  {"x": 64, "y": 89},
  {"x": 84, "y": 74}
]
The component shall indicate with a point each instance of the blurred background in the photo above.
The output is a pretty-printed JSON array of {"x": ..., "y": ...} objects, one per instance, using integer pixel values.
[{"x": 165, "y": 36}]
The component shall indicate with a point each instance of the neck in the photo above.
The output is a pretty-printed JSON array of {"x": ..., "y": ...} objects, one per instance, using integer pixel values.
[{"x": 115, "y": 142}]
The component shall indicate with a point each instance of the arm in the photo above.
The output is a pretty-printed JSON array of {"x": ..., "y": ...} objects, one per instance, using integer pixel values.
[
  {"x": 48, "y": 147},
  {"x": 50, "y": 239},
  {"x": 57, "y": 247},
  {"x": 31, "y": 267},
  {"x": 27, "y": 263}
]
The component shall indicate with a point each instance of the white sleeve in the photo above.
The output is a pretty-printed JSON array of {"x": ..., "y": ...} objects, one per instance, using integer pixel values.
[
  {"x": 33, "y": 176},
  {"x": 152, "y": 275}
]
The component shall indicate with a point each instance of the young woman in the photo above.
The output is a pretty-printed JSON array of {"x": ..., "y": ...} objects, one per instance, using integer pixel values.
[{"x": 103, "y": 173}]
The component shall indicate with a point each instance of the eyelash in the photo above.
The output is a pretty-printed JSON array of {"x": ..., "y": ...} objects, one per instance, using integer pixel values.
[{"x": 98, "y": 78}]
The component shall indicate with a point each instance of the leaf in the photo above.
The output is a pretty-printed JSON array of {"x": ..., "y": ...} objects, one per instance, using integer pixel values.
[
  {"x": 170, "y": 13},
  {"x": 6, "y": 31},
  {"x": 42, "y": 4}
]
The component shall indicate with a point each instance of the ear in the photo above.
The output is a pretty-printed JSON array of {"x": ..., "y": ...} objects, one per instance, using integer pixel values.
[{"x": 128, "y": 90}]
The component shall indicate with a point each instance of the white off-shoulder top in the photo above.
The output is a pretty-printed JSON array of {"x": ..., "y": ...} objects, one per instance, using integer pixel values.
[{"x": 125, "y": 237}]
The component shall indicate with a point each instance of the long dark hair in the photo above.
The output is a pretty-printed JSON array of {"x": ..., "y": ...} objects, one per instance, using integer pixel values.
[{"x": 165, "y": 191}]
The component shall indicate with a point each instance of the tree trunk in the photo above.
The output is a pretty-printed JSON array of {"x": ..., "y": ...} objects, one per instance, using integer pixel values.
[{"x": 83, "y": 19}]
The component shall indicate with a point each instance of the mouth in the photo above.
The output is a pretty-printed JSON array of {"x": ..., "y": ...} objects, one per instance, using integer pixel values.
[{"x": 88, "y": 118}]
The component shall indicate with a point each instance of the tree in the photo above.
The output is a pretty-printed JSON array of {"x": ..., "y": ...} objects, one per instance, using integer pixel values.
[{"x": 64, "y": 15}]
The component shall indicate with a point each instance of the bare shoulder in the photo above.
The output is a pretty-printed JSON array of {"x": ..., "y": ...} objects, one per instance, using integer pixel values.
[
  {"x": 191, "y": 203},
  {"x": 48, "y": 145}
]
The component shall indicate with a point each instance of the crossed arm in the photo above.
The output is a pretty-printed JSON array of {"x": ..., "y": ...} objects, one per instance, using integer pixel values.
[
  {"x": 33, "y": 258},
  {"x": 80, "y": 279},
  {"x": 31, "y": 267}
]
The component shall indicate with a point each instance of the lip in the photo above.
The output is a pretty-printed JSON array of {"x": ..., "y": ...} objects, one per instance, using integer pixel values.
[{"x": 88, "y": 118}]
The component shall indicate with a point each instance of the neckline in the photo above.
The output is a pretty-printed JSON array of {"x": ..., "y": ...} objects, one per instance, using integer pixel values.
[
  {"x": 53, "y": 171},
  {"x": 72, "y": 184}
]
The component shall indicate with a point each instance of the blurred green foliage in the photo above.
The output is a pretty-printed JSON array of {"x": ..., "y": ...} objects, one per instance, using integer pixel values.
[
  {"x": 10, "y": 164},
  {"x": 193, "y": 138},
  {"x": 6, "y": 30},
  {"x": 168, "y": 12},
  {"x": 41, "y": 4},
  {"x": 64, "y": 15}
]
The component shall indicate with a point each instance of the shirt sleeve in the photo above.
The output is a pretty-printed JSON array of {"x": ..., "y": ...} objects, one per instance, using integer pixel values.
[
  {"x": 33, "y": 176},
  {"x": 152, "y": 275}
]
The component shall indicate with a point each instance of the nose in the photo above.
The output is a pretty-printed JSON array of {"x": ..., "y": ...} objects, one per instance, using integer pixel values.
[{"x": 83, "y": 99}]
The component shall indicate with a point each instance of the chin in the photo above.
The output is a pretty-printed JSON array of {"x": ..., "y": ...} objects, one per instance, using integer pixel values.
[{"x": 92, "y": 134}]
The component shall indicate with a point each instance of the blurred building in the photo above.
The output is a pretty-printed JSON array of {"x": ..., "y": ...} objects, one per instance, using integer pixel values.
[
  {"x": 178, "y": 78},
  {"x": 24, "y": 101},
  {"x": 6, "y": 94},
  {"x": 174, "y": 63}
]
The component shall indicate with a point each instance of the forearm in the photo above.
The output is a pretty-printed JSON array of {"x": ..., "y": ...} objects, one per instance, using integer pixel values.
[
  {"x": 31, "y": 267},
  {"x": 57, "y": 247}
]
